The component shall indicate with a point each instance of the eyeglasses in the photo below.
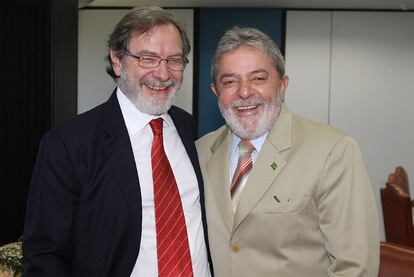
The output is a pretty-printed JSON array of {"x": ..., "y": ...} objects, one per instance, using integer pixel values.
[{"x": 148, "y": 61}]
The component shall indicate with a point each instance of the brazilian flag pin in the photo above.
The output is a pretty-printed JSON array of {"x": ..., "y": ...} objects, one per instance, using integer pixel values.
[{"x": 273, "y": 166}]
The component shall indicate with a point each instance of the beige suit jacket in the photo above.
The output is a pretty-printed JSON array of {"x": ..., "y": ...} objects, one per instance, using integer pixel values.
[{"x": 324, "y": 221}]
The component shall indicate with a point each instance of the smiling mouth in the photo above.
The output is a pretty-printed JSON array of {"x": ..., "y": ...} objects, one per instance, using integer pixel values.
[
  {"x": 247, "y": 108},
  {"x": 156, "y": 87}
]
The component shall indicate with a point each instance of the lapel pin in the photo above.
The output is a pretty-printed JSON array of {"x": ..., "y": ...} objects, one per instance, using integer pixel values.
[{"x": 273, "y": 166}]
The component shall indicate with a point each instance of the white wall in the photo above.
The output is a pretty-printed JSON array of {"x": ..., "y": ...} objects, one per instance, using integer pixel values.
[
  {"x": 94, "y": 84},
  {"x": 367, "y": 83},
  {"x": 308, "y": 54}
]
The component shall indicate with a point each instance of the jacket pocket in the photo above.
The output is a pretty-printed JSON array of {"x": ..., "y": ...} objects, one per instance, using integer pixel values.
[{"x": 276, "y": 205}]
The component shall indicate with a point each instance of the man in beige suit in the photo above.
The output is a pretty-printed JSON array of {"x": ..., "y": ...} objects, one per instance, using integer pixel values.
[{"x": 307, "y": 207}]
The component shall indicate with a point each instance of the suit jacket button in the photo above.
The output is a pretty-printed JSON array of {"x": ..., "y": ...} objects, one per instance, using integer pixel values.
[{"x": 235, "y": 248}]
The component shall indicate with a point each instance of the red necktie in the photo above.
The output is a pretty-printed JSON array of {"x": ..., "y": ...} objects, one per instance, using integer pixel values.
[{"x": 173, "y": 252}]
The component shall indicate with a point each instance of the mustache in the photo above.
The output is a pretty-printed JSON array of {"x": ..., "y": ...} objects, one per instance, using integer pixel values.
[
  {"x": 156, "y": 83},
  {"x": 248, "y": 102}
]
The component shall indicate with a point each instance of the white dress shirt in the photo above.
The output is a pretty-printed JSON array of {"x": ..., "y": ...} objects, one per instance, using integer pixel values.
[{"x": 141, "y": 136}]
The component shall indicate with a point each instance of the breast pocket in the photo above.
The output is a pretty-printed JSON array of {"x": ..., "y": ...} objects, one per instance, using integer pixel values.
[{"x": 276, "y": 205}]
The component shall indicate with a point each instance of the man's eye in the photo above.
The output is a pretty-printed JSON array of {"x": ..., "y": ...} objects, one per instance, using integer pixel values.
[
  {"x": 148, "y": 59},
  {"x": 259, "y": 80},
  {"x": 175, "y": 61},
  {"x": 227, "y": 82}
]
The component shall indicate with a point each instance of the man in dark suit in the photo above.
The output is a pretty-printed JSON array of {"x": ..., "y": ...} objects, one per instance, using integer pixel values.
[{"x": 118, "y": 187}]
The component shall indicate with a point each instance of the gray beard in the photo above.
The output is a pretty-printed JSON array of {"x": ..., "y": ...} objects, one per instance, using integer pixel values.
[
  {"x": 156, "y": 105},
  {"x": 248, "y": 128}
]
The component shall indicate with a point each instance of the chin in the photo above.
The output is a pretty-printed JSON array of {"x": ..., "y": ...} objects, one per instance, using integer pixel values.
[
  {"x": 155, "y": 103},
  {"x": 249, "y": 121}
]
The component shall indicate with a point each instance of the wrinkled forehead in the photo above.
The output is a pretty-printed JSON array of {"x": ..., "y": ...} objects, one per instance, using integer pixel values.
[
  {"x": 259, "y": 53},
  {"x": 147, "y": 33},
  {"x": 164, "y": 36},
  {"x": 244, "y": 57}
]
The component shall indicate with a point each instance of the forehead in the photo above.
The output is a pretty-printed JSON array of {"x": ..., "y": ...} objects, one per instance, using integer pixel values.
[
  {"x": 158, "y": 38},
  {"x": 244, "y": 59}
]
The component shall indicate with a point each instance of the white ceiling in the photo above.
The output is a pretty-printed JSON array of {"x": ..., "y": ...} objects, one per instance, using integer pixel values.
[{"x": 293, "y": 4}]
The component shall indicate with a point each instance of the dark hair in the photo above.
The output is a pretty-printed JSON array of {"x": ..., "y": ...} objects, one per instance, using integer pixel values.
[
  {"x": 237, "y": 36},
  {"x": 141, "y": 20}
]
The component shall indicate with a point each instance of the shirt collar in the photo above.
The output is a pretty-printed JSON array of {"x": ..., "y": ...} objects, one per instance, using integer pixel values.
[
  {"x": 257, "y": 142},
  {"x": 135, "y": 120}
]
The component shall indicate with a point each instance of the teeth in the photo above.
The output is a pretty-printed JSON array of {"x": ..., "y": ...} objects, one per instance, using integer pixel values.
[
  {"x": 156, "y": 88},
  {"x": 246, "y": 107}
]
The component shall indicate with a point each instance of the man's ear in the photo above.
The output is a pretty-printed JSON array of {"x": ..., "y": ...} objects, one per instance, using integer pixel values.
[
  {"x": 214, "y": 89},
  {"x": 116, "y": 62},
  {"x": 283, "y": 85}
]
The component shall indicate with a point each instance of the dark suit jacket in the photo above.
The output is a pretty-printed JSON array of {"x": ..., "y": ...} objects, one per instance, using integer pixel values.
[{"x": 84, "y": 207}]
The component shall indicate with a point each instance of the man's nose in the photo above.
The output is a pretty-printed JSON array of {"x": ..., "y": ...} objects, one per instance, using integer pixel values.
[
  {"x": 162, "y": 71},
  {"x": 245, "y": 89}
]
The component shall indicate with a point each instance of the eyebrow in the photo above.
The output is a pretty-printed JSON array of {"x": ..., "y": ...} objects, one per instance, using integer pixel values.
[
  {"x": 229, "y": 75},
  {"x": 150, "y": 53},
  {"x": 259, "y": 71}
]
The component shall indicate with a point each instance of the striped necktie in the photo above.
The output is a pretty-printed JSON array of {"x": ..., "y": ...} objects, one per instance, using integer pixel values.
[
  {"x": 244, "y": 166},
  {"x": 173, "y": 252}
]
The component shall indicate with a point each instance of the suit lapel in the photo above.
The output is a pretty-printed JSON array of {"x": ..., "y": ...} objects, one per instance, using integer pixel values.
[
  {"x": 267, "y": 167},
  {"x": 119, "y": 153},
  {"x": 218, "y": 175}
]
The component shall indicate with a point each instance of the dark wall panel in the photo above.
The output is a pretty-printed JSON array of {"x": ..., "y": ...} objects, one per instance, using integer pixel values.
[
  {"x": 25, "y": 103},
  {"x": 27, "y": 50}
]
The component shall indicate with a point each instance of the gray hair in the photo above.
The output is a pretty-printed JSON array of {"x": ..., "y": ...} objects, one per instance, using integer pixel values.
[
  {"x": 141, "y": 20},
  {"x": 237, "y": 36}
]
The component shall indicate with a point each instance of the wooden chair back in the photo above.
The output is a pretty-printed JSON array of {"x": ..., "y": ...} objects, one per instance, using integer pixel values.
[{"x": 397, "y": 214}]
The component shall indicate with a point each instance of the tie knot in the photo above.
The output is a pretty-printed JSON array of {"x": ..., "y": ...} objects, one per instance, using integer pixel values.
[
  {"x": 246, "y": 147},
  {"x": 156, "y": 126}
]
